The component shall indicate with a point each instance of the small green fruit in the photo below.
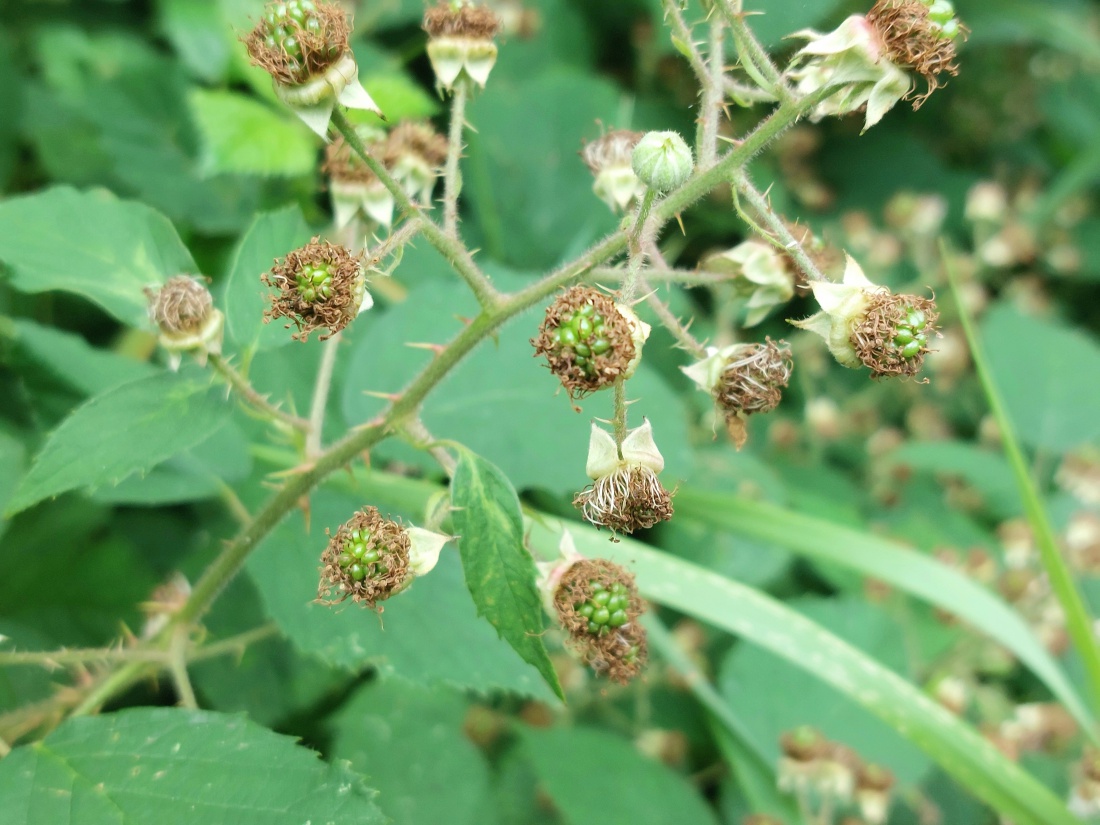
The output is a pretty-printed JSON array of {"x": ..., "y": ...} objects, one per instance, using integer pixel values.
[{"x": 662, "y": 161}]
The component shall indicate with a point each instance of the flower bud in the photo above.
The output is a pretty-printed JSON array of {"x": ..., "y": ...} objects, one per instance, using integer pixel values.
[
  {"x": 590, "y": 341},
  {"x": 321, "y": 286},
  {"x": 662, "y": 161},
  {"x": 744, "y": 379},
  {"x": 183, "y": 311},
  {"x": 626, "y": 494},
  {"x": 460, "y": 41},
  {"x": 370, "y": 559},
  {"x": 304, "y": 46},
  {"x": 597, "y": 603},
  {"x": 354, "y": 188},
  {"x": 867, "y": 325},
  {"x": 609, "y": 159}
]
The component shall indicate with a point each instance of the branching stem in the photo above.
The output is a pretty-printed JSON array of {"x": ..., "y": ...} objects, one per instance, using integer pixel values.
[{"x": 249, "y": 394}]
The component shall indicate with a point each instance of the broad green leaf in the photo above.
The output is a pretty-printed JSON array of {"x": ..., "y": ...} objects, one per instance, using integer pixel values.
[
  {"x": 909, "y": 571},
  {"x": 92, "y": 244},
  {"x": 13, "y": 458},
  {"x": 125, "y": 430},
  {"x": 499, "y": 570},
  {"x": 581, "y": 769},
  {"x": 172, "y": 766},
  {"x": 429, "y": 633},
  {"x": 710, "y": 598},
  {"x": 200, "y": 35},
  {"x": 1041, "y": 369},
  {"x": 73, "y": 360},
  {"x": 772, "y": 696},
  {"x": 271, "y": 236},
  {"x": 245, "y": 137},
  {"x": 500, "y": 402},
  {"x": 410, "y": 741}
]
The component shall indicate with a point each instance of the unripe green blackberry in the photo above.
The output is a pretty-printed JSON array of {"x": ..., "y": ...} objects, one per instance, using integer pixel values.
[
  {"x": 298, "y": 39},
  {"x": 597, "y": 604},
  {"x": 367, "y": 560},
  {"x": 605, "y": 608},
  {"x": 891, "y": 337},
  {"x": 321, "y": 286},
  {"x": 589, "y": 341}
]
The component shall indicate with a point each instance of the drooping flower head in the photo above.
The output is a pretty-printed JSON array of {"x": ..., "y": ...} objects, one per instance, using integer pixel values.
[
  {"x": 304, "y": 46},
  {"x": 371, "y": 558},
  {"x": 183, "y": 311},
  {"x": 867, "y": 58},
  {"x": 590, "y": 341},
  {"x": 609, "y": 159},
  {"x": 321, "y": 286},
  {"x": 625, "y": 494},
  {"x": 460, "y": 41},
  {"x": 867, "y": 325},
  {"x": 414, "y": 153},
  {"x": 597, "y": 603},
  {"x": 354, "y": 188},
  {"x": 744, "y": 379}
]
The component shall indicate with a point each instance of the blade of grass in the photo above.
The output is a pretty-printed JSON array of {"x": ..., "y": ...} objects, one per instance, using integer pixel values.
[
  {"x": 911, "y": 572},
  {"x": 1078, "y": 622},
  {"x": 975, "y": 763}
]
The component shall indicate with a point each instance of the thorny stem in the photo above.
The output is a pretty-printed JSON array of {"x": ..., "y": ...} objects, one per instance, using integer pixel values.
[
  {"x": 320, "y": 395},
  {"x": 711, "y": 96},
  {"x": 670, "y": 322},
  {"x": 684, "y": 277},
  {"x": 618, "y": 421},
  {"x": 449, "y": 246},
  {"x": 248, "y": 392},
  {"x": 785, "y": 240},
  {"x": 497, "y": 310},
  {"x": 422, "y": 439},
  {"x": 635, "y": 248},
  {"x": 177, "y": 666},
  {"x": 682, "y": 38},
  {"x": 754, "y": 57},
  {"x": 452, "y": 180}
]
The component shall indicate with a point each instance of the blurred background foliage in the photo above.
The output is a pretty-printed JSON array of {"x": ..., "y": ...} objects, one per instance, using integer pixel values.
[{"x": 155, "y": 102}]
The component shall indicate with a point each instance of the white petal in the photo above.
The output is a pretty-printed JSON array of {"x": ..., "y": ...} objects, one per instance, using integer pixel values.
[
  {"x": 853, "y": 275},
  {"x": 640, "y": 448},
  {"x": 818, "y": 323},
  {"x": 354, "y": 96},
  {"x": 603, "y": 455},
  {"x": 706, "y": 372},
  {"x": 424, "y": 550},
  {"x": 480, "y": 61},
  {"x": 366, "y": 303},
  {"x": 317, "y": 116}
]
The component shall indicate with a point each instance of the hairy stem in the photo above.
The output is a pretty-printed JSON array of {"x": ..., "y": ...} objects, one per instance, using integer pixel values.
[
  {"x": 670, "y": 322},
  {"x": 249, "y": 394},
  {"x": 711, "y": 96},
  {"x": 782, "y": 235},
  {"x": 449, "y": 246},
  {"x": 177, "y": 666},
  {"x": 320, "y": 395},
  {"x": 636, "y": 248},
  {"x": 754, "y": 57},
  {"x": 670, "y": 275},
  {"x": 452, "y": 179},
  {"x": 618, "y": 420}
]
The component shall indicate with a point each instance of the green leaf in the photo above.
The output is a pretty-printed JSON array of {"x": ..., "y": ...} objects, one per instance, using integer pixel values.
[
  {"x": 92, "y": 244},
  {"x": 177, "y": 766},
  {"x": 499, "y": 570},
  {"x": 164, "y": 415},
  {"x": 710, "y": 598},
  {"x": 429, "y": 633},
  {"x": 499, "y": 402},
  {"x": 909, "y": 571},
  {"x": 985, "y": 471},
  {"x": 245, "y": 137},
  {"x": 200, "y": 35},
  {"x": 1044, "y": 371},
  {"x": 386, "y": 729},
  {"x": 580, "y": 769},
  {"x": 271, "y": 236}
]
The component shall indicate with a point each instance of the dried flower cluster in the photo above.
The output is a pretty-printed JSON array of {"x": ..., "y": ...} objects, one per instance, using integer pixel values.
[{"x": 321, "y": 286}]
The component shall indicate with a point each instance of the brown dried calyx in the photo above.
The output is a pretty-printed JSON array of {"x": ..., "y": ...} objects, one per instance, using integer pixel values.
[
  {"x": 418, "y": 139},
  {"x": 181, "y": 307},
  {"x": 588, "y": 341},
  {"x": 292, "y": 48},
  {"x": 321, "y": 286},
  {"x": 628, "y": 499},
  {"x": 343, "y": 164},
  {"x": 615, "y": 645},
  {"x": 916, "y": 42},
  {"x": 367, "y": 560},
  {"x": 449, "y": 19},
  {"x": 754, "y": 379},
  {"x": 891, "y": 337},
  {"x": 804, "y": 744},
  {"x": 612, "y": 149}
]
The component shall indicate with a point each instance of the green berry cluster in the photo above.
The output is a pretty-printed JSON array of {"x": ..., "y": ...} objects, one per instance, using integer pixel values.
[
  {"x": 606, "y": 608},
  {"x": 283, "y": 21},
  {"x": 360, "y": 559},
  {"x": 315, "y": 282},
  {"x": 910, "y": 336},
  {"x": 942, "y": 13},
  {"x": 583, "y": 332}
]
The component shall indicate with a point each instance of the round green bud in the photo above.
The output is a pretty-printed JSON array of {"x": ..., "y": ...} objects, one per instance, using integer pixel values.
[{"x": 662, "y": 161}]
